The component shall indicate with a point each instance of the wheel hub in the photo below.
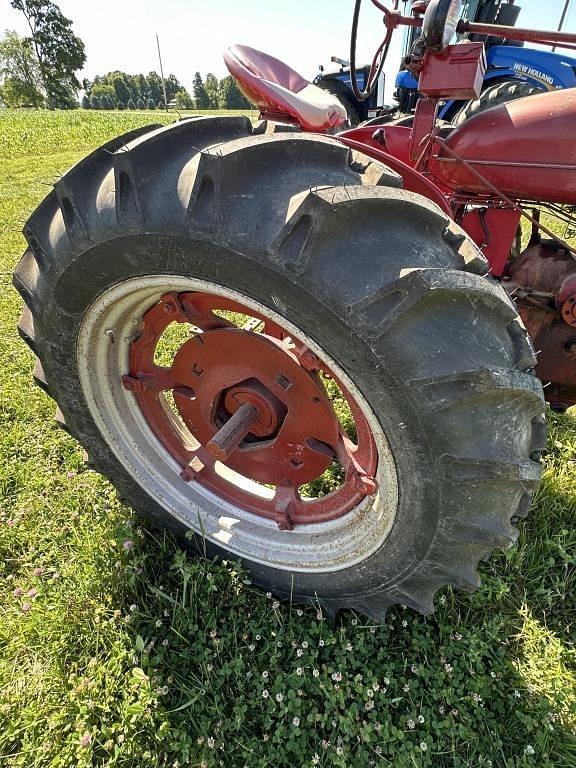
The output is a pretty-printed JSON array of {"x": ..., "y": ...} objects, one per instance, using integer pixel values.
[
  {"x": 220, "y": 370},
  {"x": 250, "y": 417}
]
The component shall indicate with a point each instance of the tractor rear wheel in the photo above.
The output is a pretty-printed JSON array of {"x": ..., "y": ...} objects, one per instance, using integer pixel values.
[
  {"x": 267, "y": 345},
  {"x": 344, "y": 96},
  {"x": 501, "y": 93}
]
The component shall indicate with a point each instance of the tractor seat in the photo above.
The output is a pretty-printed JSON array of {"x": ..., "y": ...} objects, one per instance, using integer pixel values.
[{"x": 281, "y": 93}]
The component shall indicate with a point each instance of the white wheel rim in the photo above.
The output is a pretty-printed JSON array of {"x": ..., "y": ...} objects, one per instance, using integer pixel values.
[{"x": 104, "y": 340}]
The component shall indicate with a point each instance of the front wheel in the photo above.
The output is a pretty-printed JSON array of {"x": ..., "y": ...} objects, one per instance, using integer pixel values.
[{"x": 268, "y": 346}]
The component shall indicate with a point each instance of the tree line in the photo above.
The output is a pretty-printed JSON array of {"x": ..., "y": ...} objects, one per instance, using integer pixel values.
[
  {"x": 40, "y": 70},
  {"x": 120, "y": 90}
]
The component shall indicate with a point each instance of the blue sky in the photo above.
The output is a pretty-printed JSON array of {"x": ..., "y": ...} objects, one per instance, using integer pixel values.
[{"x": 119, "y": 34}]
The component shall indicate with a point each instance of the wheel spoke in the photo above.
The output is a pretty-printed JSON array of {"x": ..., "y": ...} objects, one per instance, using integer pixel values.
[
  {"x": 199, "y": 311},
  {"x": 286, "y": 502},
  {"x": 160, "y": 381},
  {"x": 345, "y": 451}
]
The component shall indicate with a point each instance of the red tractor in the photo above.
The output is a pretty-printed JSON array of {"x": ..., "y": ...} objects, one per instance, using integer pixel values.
[{"x": 303, "y": 350}]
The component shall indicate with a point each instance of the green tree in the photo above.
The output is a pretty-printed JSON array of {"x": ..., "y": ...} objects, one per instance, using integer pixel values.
[
  {"x": 154, "y": 87},
  {"x": 106, "y": 102},
  {"x": 150, "y": 104},
  {"x": 94, "y": 102},
  {"x": 172, "y": 86},
  {"x": 142, "y": 87},
  {"x": 200, "y": 95},
  {"x": 231, "y": 97},
  {"x": 140, "y": 104},
  {"x": 103, "y": 89},
  {"x": 121, "y": 90},
  {"x": 211, "y": 86},
  {"x": 183, "y": 100},
  {"x": 15, "y": 93},
  {"x": 59, "y": 51},
  {"x": 20, "y": 72},
  {"x": 130, "y": 104},
  {"x": 85, "y": 102}
]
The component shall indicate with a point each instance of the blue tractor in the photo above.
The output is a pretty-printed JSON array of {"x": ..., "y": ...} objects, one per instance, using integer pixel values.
[{"x": 512, "y": 72}]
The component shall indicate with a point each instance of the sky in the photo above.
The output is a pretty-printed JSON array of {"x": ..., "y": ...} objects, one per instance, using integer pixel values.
[{"x": 120, "y": 34}]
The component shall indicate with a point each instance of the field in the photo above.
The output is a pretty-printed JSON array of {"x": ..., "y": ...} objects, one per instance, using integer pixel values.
[{"x": 119, "y": 650}]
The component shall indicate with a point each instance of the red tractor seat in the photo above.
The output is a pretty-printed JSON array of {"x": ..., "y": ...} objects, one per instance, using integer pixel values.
[{"x": 281, "y": 93}]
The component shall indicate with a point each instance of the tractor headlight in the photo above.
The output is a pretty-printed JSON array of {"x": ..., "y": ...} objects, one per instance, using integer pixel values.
[{"x": 440, "y": 22}]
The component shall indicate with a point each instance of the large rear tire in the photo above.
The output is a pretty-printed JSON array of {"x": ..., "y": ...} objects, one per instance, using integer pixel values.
[
  {"x": 339, "y": 278},
  {"x": 501, "y": 93}
]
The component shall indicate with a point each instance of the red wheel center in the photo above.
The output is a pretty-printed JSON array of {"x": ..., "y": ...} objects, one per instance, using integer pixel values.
[
  {"x": 251, "y": 419},
  {"x": 289, "y": 442}
]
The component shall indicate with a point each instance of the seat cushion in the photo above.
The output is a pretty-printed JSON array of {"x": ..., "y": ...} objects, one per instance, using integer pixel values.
[{"x": 281, "y": 93}]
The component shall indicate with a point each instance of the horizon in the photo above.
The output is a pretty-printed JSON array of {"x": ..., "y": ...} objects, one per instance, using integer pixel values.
[{"x": 190, "y": 26}]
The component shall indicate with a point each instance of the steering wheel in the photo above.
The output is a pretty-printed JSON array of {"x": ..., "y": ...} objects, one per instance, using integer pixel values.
[{"x": 379, "y": 57}]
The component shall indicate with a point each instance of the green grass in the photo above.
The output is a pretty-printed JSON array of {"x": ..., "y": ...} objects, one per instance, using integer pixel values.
[{"x": 137, "y": 656}]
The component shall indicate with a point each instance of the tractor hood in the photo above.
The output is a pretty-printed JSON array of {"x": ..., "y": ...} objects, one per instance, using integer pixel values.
[{"x": 526, "y": 148}]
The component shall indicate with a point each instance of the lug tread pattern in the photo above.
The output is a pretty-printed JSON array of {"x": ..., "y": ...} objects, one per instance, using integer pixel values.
[{"x": 200, "y": 167}]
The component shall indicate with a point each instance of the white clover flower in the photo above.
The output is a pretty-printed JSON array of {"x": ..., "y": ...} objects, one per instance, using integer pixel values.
[
  {"x": 210, "y": 741},
  {"x": 265, "y": 693},
  {"x": 258, "y": 637},
  {"x": 443, "y": 599},
  {"x": 411, "y": 724},
  {"x": 339, "y": 751},
  {"x": 449, "y": 669},
  {"x": 252, "y": 647},
  {"x": 213, "y": 634},
  {"x": 337, "y": 677},
  {"x": 275, "y": 605},
  {"x": 133, "y": 608},
  {"x": 304, "y": 644},
  {"x": 369, "y": 705},
  {"x": 420, "y": 718},
  {"x": 299, "y": 612},
  {"x": 316, "y": 673},
  {"x": 386, "y": 681},
  {"x": 404, "y": 623},
  {"x": 279, "y": 698},
  {"x": 406, "y": 688},
  {"x": 299, "y": 652},
  {"x": 529, "y": 749},
  {"x": 300, "y": 671},
  {"x": 268, "y": 595},
  {"x": 442, "y": 710},
  {"x": 517, "y": 694},
  {"x": 458, "y": 636},
  {"x": 321, "y": 643},
  {"x": 265, "y": 674},
  {"x": 316, "y": 759},
  {"x": 423, "y": 746},
  {"x": 165, "y": 643},
  {"x": 375, "y": 686},
  {"x": 414, "y": 669},
  {"x": 349, "y": 647},
  {"x": 296, "y": 722}
]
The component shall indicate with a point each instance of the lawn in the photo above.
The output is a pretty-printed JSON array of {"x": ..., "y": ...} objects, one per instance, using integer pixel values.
[{"x": 119, "y": 650}]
